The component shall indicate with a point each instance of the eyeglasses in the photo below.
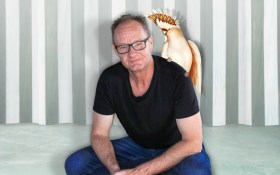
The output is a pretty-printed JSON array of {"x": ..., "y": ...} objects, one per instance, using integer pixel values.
[{"x": 138, "y": 45}]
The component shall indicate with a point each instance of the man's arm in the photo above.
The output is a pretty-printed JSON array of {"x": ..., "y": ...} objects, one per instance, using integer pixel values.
[
  {"x": 191, "y": 143},
  {"x": 101, "y": 143}
]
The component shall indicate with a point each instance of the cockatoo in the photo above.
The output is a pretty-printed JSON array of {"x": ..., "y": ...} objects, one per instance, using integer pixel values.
[{"x": 176, "y": 48}]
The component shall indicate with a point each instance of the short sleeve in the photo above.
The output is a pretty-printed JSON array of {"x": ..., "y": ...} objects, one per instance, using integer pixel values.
[
  {"x": 185, "y": 101},
  {"x": 103, "y": 98}
]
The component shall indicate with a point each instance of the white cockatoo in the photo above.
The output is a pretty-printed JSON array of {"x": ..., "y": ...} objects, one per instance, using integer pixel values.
[{"x": 176, "y": 48}]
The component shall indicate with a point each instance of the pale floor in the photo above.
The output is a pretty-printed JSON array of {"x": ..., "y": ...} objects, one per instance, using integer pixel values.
[{"x": 30, "y": 149}]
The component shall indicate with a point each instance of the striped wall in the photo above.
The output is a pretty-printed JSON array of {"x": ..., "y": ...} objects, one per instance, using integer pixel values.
[{"x": 53, "y": 51}]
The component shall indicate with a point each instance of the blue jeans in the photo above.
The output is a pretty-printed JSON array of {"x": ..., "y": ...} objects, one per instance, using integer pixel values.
[{"x": 129, "y": 155}]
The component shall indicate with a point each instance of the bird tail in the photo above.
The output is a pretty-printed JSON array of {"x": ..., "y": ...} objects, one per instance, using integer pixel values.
[{"x": 195, "y": 70}]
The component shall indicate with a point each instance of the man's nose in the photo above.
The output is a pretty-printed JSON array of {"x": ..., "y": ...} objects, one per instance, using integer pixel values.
[{"x": 131, "y": 51}]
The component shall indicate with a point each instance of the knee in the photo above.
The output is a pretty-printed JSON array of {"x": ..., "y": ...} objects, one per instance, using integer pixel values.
[
  {"x": 203, "y": 169},
  {"x": 201, "y": 165},
  {"x": 83, "y": 161},
  {"x": 194, "y": 170},
  {"x": 198, "y": 164},
  {"x": 70, "y": 165},
  {"x": 74, "y": 164}
]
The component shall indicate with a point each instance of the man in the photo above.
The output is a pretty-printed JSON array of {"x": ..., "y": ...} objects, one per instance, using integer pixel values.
[{"x": 156, "y": 104}]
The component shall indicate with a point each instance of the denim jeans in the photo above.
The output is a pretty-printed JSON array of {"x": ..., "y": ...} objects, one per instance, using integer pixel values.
[{"x": 129, "y": 155}]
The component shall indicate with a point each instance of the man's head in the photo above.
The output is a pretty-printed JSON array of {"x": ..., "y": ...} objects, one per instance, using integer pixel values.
[{"x": 132, "y": 42}]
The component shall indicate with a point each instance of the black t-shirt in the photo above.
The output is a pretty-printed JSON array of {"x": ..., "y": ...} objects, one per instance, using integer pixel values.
[{"x": 150, "y": 120}]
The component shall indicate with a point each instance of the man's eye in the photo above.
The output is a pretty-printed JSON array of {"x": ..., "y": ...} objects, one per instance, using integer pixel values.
[
  {"x": 123, "y": 47},
  {"x": 137, "y": 44}
]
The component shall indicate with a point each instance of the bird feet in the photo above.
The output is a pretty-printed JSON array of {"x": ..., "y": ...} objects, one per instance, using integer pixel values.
[{"x": 169, "y": 59}]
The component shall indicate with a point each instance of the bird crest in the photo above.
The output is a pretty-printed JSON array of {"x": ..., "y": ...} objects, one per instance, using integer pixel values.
[{"x": 163, "y": 19}]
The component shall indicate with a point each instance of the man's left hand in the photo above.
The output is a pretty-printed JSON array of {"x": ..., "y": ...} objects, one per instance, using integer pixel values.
[{"x": 127, "y": 172}]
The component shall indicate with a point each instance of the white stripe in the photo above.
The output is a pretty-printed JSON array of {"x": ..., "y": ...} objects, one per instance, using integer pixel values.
[
  {"x": 244, "y": 63},
  {"x": 118, "y": 8},
  {"x": 12, "y": 61},
  {"x": 169, "y": 5},
  {"x": 38, "y": 62},
  {"x": 145, "y": 7},
  {"x": 270, "y": 63},
  {"x": 64, "y": 62},
  {"x": 91, "y": 54},
  {"x": 219, "y": 62},
  {"x": 193, "y": 20}
]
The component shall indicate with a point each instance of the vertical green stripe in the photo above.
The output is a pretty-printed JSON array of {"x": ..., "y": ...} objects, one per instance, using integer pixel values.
[
  {"x": 231, "y": 62},
  {"x": 157, "y": 33},
  {"x": 278, "y": 52},
  {"x": 105, "y": 37},
  {"x": 2, "y": 62},
  {"x": 131, "y": 6},
  {"x": 207, "y": 61},
  {"x": 78, "y": 62},
  {"x": 51, "y": 62},
  {"x": 25, "y": 61},
  {"x": 257, "y": 63}
]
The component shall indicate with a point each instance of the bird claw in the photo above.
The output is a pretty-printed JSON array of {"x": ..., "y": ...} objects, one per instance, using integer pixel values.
[{"x": 169, "y": 59}]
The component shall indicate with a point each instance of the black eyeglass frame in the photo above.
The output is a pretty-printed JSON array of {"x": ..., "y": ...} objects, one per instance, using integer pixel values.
[{"x": 144, "y": 40}]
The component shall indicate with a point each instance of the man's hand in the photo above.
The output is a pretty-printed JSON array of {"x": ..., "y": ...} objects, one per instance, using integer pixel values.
[{"x": 127, "y": 172}]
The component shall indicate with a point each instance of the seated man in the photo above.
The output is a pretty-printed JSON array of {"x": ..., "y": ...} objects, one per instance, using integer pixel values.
[{"x": 157, "y": 106}]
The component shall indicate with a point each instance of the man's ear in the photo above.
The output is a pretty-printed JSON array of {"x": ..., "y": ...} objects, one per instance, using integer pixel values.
[{"x": 151, "y": 42}]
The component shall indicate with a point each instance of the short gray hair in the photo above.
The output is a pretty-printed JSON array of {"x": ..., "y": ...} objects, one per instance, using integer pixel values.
[{"x": 127, "y": 17}]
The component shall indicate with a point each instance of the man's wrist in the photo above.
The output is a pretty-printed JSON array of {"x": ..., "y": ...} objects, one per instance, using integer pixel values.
[
  {"x": 141, "y": 169},
  {"x": 114, "y": 169}
]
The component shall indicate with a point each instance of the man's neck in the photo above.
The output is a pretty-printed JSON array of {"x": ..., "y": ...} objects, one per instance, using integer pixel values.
[{"x": 141, "y": 80}]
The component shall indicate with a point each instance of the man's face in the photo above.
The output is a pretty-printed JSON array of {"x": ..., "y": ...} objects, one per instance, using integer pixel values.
[{"x": 129, "y": 33}]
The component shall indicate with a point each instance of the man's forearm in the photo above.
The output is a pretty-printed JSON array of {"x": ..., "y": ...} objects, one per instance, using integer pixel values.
[
  {"x": 104, "y": 150},
  {"x": 169, "y": 158}
]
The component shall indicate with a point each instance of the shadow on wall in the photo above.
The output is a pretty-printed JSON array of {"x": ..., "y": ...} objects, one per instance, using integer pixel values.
[{"x": 98, "y": 55}]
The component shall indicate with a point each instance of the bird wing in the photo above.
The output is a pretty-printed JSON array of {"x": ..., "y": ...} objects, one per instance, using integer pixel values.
[{"x": 164, "y": 50}]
